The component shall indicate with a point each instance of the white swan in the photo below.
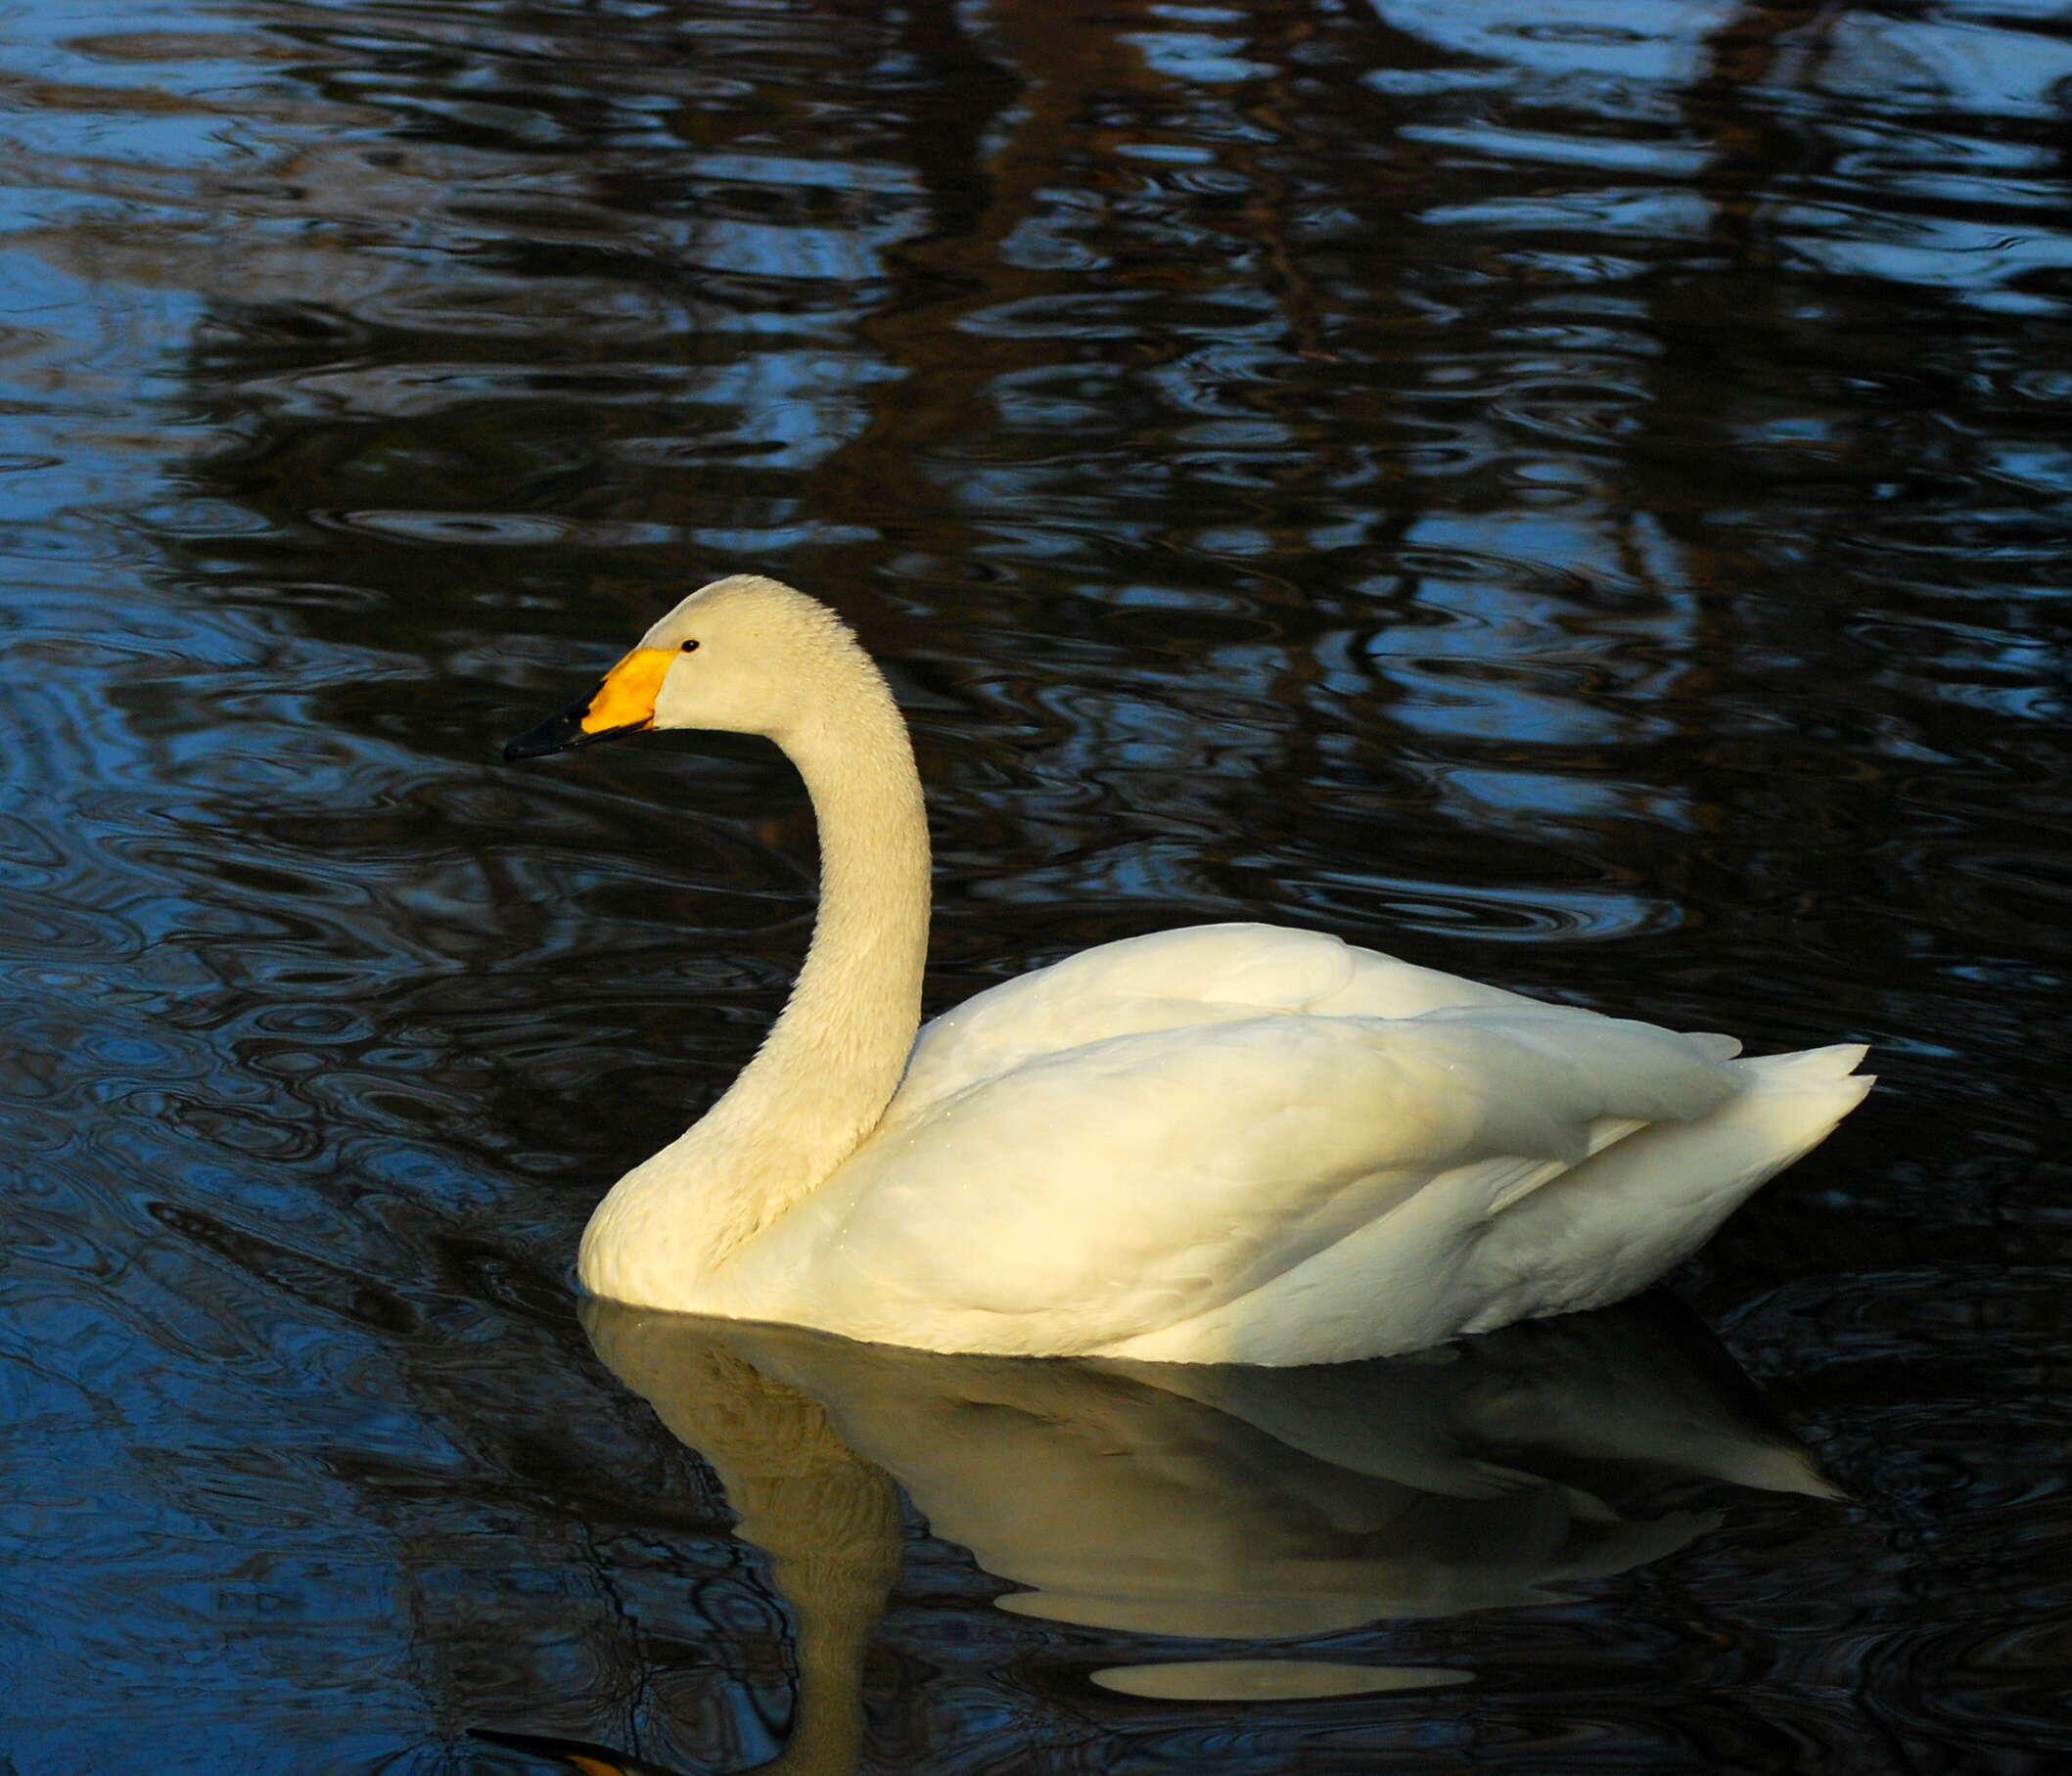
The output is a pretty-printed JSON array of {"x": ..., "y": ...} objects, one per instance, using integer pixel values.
[{"x": 1236, "y": 1143}]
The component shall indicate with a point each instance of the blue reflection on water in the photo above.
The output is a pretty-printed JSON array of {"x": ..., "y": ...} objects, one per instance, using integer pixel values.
[{"x": 1575, "y": 496}]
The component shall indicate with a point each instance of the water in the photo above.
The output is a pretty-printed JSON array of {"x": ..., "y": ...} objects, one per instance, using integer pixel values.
[{"x": 1573, "y": 493}]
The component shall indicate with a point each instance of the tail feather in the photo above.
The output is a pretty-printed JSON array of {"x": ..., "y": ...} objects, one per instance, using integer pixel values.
[
  {"x": 1640, "y": 1205},
  {"x": 1810, "y": 1065}
]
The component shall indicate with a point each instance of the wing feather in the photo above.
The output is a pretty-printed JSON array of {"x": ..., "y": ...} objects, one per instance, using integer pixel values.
[
  {"x": 1142, "y": 1177},
  {"x": 1189, "y": 979}
]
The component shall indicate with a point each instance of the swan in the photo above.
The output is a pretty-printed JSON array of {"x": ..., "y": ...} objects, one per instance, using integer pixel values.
[{"x": 1223, "y": 1144}]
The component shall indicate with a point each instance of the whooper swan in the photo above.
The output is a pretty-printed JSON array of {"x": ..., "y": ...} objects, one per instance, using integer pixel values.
[{"x": 1233, "y": 1143}]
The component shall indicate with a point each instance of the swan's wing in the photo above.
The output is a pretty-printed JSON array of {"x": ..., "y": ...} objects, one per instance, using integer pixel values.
[
  {"x": 1203, "y": 975},
  {"x": 1137, "y": 1180}
]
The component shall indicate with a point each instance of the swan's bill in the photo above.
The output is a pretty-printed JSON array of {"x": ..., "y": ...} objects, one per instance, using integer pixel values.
[{"x": 623, "y": 702}]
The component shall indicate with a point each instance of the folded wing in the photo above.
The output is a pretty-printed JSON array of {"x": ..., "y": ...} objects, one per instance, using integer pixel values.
[
  {"x": 1138, "y": 1178},
  {"x": 1180, "y": 979}
]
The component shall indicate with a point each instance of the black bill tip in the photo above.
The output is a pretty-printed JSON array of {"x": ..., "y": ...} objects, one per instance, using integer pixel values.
[
  {"x": 557, "y": 734},
  {"x": 561, "y": 733}
]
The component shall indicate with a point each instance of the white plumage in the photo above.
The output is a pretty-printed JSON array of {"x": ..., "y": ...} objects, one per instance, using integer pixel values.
[{"x": 1237, "y": 1143}]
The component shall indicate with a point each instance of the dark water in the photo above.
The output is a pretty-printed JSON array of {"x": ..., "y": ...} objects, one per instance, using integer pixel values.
[{"x": 1576, "y": 492}]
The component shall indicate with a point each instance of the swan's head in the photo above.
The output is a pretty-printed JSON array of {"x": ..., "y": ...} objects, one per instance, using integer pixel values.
[{"x": 745, "y": 653}]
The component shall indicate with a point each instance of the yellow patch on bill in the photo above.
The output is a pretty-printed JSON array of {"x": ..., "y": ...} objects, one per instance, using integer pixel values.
[{"x": 627, "y": 698}]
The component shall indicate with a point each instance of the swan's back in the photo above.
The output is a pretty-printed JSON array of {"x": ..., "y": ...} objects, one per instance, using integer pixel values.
[{"x": 1198, "y": 976}]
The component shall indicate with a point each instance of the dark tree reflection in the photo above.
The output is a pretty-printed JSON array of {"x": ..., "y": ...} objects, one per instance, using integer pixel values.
[{"x": 1575, "y": 493}]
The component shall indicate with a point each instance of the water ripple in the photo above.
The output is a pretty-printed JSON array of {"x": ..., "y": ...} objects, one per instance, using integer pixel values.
[{"x": 1575, "y": 494}]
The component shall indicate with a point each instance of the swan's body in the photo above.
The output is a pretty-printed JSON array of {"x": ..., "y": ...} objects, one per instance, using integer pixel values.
[{"x": 1231, "y": 1143}]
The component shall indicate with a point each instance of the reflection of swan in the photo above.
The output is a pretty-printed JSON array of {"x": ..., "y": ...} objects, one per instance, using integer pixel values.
[
  {"x": 1236, "y": 1143},
  {"x": 1199, "y": 1500},
  {"x": 1226, "y": 1500}
]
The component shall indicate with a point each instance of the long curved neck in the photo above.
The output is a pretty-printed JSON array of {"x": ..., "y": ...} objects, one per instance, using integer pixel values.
[
  {"x": 830, "y": 1065},
  {"x": 822, "y": 1080}
]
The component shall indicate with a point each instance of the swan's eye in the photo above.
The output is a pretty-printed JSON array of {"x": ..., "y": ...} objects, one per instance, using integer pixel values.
[{"x": 690, "y": 647}]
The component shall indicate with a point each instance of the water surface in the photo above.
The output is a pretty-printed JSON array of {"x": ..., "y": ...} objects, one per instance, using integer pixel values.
[{"x": 1575, "y": 494}]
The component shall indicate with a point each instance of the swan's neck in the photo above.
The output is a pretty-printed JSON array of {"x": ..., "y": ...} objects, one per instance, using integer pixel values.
[
  {"x": 829, "y": 1066},
  {"x": 831, "y": 1063}
]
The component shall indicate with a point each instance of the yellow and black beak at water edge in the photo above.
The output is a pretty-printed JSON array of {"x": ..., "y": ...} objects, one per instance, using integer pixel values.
[{"x": 623, "y": 702}]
